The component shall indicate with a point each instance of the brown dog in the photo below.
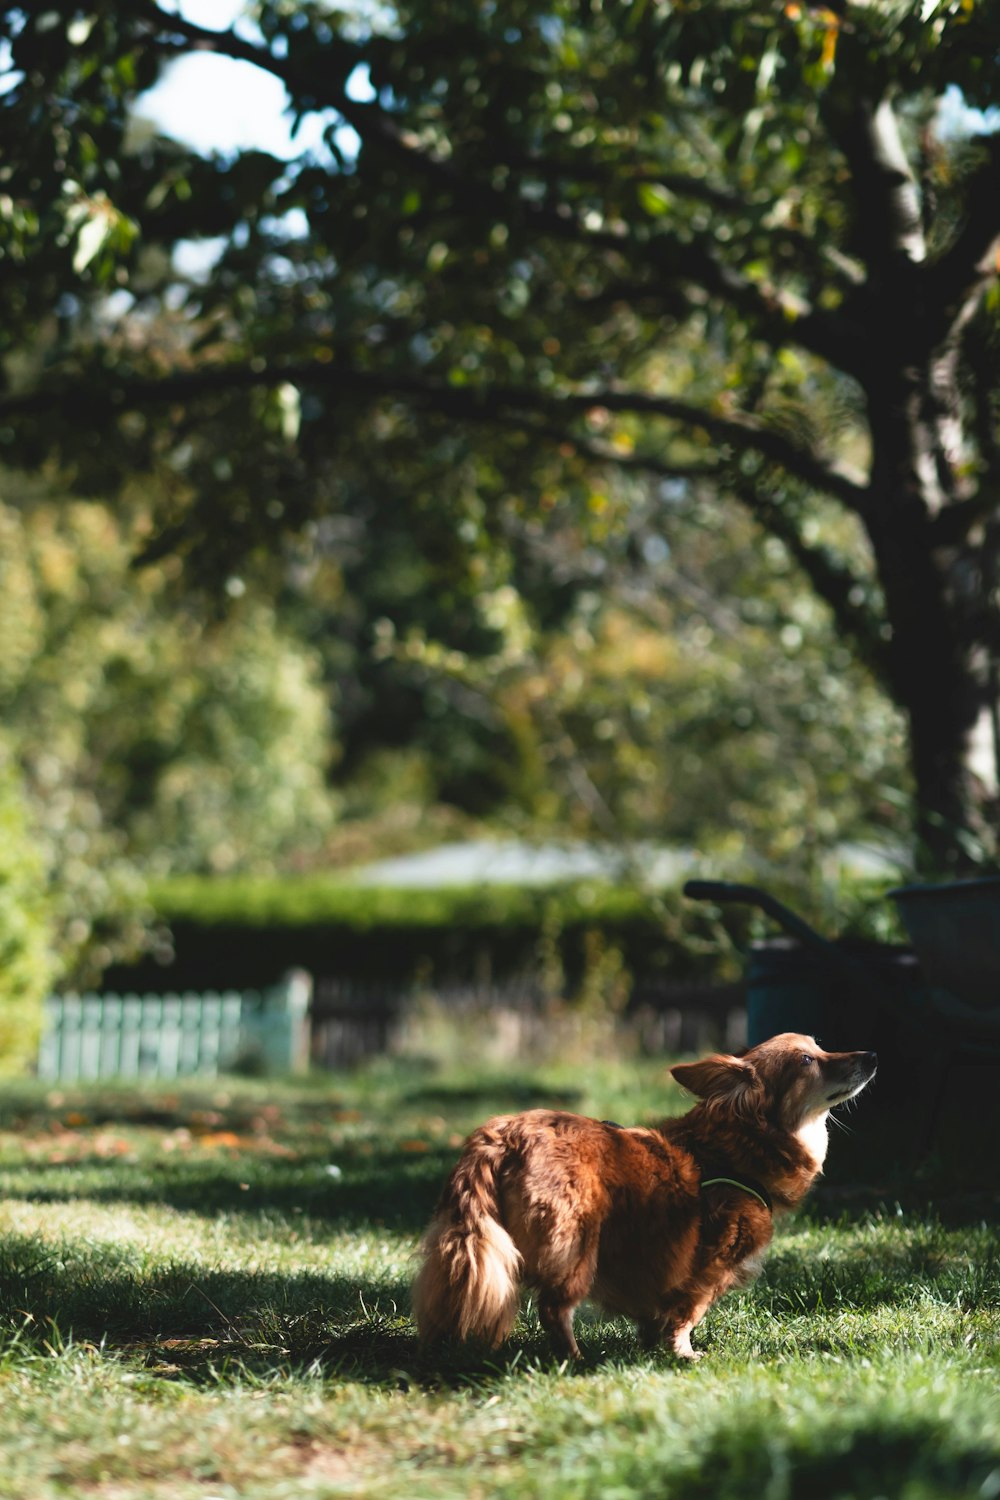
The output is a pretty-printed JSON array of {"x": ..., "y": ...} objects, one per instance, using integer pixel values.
[{"x": 653, "y": 1223}]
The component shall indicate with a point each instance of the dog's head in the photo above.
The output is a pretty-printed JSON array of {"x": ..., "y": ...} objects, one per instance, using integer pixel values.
[{"x": 787, "y": 1079}]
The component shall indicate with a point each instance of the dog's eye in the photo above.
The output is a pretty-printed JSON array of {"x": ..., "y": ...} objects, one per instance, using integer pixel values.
[{"x": 807, "y": 1059}]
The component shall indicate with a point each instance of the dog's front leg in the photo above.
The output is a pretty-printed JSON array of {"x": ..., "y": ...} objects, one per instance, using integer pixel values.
[
  {"x": 730, "y": 1255},
  {"x": 673, "y": 1325},
  {"x": 654, "y": 1331},
  {"x": 680, "y": 1331},
  {"x": 701, "y": 1297},
  {"x": 671, "y": 1333}
]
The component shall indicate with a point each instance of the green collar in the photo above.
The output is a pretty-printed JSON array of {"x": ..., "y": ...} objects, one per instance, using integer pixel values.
[{"x": 755, "y": 1189}]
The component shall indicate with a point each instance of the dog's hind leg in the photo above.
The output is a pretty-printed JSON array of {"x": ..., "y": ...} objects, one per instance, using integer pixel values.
[
  {"x": 556, "y": 1316},
  {"x": 559, "y": 1299}
]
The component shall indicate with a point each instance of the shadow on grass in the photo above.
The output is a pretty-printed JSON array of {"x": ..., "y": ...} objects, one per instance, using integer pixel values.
[
  {"x": 385, "y": 1189},
  {"x": 517, "y": 1096},
  {"x": 842, "y": 1455},
  {"x": 230, "y": 1101},
  {"x": 232, "y": 1149},
  {"x": 181, "y": 1320}
]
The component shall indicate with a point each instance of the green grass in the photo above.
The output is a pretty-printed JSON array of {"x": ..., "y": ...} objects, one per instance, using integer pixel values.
[{"x": 193, "y": 1304}]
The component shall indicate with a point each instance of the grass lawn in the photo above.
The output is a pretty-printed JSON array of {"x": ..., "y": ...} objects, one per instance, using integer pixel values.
[{"x": 204, "y": 1293}]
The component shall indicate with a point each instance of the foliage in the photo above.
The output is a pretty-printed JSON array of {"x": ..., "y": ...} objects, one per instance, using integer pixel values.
[
  {"x": 319, "y": 899},
  {"x": 621, "y": 672},
  {"x": 147, "y": 732},
  {"x": 727, "y": 253},
  {"x": 246, "y": 931},
  {"x": 186, "y": 1288},
  {"x": 699, "y": 695},
  {"x": 61, "y": 574},
  {"x": 27, "y": 963},
  {"x": 237, "y": 751}
]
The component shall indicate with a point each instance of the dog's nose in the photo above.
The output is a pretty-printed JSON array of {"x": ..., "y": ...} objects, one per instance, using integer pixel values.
[{"x": 870, "y": 1060}]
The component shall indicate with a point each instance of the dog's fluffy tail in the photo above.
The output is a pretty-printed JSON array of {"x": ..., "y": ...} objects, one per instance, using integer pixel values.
[{"x": 469, "y": 1283}]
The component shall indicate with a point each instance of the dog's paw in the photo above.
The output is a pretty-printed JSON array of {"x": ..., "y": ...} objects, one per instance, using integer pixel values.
[{"x": 683, "y": 1350}]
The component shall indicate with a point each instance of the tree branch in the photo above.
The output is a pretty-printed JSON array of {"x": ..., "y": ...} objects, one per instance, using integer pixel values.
[
  {"x": 832, "y": 580},
  {"x": 778, "y": 318},
  {"x": 957, "y": 278},
  {"x": 742, "y": 432},
  {"x": 477, "y": 403}
]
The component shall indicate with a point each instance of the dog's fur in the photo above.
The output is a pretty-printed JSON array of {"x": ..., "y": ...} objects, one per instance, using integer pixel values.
[{"x": 576, "y": 1208}]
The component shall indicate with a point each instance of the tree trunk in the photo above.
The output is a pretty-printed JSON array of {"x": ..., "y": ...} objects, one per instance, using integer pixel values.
[
  {"x": 936, "y": 676},
  {"x": 913, "y": 315}
]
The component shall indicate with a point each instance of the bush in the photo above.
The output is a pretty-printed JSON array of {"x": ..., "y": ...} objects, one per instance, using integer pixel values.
[
  {"x": 27, "y": 961},
  {"x": 246, "y": 932}
]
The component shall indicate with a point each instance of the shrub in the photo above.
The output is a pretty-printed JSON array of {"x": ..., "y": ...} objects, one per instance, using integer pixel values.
[
  {"x": 246, "y": 932},
  {"x": 27, "y": 962}
]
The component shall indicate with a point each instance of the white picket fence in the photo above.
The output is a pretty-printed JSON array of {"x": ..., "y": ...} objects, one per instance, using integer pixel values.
[{"x": 169, "y": 1036}]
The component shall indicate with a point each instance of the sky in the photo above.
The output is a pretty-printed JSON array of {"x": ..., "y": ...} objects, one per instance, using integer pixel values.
[{"x": 218, "y": 104}]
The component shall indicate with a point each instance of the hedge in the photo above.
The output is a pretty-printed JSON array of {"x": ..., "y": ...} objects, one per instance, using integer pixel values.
[{"x": 245, "y": 932}]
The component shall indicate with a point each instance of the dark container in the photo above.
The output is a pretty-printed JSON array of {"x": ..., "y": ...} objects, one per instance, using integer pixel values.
[
  {"x": 955, "y": 930},
  {"x": 849, "y": 996}
]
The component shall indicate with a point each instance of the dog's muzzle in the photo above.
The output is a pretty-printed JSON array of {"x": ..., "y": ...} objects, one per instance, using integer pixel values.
[{"x": 864, "y": 1070}]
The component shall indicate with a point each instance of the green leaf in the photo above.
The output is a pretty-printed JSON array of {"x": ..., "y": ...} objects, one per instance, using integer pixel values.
[{"x": 654, "y": 198}]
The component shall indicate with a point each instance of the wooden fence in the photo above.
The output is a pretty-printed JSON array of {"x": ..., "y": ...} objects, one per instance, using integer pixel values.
[
  {"x": 169, "y": 1036},
  {"x": 352, "y": 1020}
]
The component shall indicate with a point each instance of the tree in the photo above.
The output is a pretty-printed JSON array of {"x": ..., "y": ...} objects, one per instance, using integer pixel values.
[
  {"x": 27, "y": 942},
  {"x": 727, "y": 247},
  {"x": 138, "y": 734},
  {"x": 694, "y": 696}
]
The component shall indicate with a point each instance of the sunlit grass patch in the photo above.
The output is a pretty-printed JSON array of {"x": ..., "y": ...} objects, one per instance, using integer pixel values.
[{"x": 205, "y": 1291}]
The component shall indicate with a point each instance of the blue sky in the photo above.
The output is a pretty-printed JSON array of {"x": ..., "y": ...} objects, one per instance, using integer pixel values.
[{"x": 216, "y": 103}]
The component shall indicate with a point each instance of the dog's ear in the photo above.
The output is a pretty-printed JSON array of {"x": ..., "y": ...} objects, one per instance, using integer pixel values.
[{"x": 731, "y": 1082}]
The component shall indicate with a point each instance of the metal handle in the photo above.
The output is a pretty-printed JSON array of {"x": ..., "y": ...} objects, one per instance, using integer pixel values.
[
  {"x": 751, "y": 895},
  {"x": 724, "y": 890}
]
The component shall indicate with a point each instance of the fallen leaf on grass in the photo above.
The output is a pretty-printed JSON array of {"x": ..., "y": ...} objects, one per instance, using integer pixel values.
[
  {"x": 178, "y": 1140},
  {"x": 274, "y": 1148},
  {"x": 226, "y": 1140},
  {"x": 272, "y": 1113},
  {"x": 111, "y": 1145}
]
